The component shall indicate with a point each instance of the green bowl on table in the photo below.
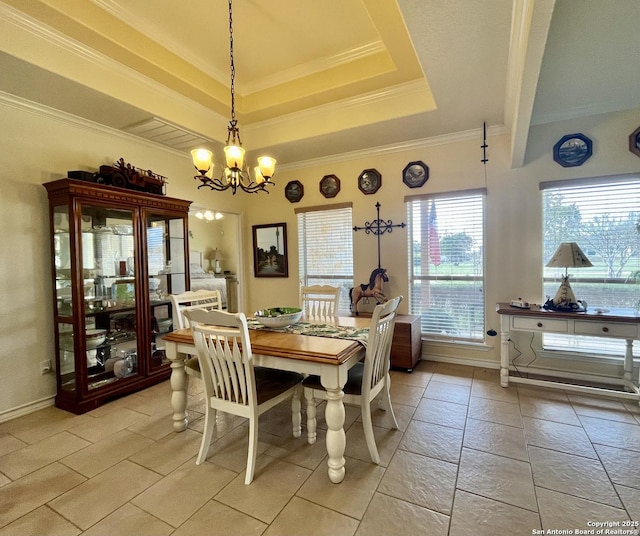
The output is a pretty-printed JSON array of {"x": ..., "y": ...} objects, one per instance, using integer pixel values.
[{"x": 278, "y": 317}]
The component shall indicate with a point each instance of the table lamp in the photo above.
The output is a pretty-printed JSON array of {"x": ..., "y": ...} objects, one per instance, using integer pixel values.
[
  {"x": 217, "y": 257},
  {"x": 210, "y": 256},
  {"x": 568, "y": 255}
]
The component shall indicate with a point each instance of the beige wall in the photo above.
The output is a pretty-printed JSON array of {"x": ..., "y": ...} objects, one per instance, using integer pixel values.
[
  {"x": 39, "y": 146},
  {"x": 221, "y": 234},
  {"x": 513, "y": 216}
]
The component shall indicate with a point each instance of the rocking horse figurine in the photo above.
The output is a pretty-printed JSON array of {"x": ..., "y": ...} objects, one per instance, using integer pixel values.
[{"x": 371, "y": 290}]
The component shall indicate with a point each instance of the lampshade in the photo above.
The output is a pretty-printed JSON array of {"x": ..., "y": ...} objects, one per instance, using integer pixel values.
[
  {"x": 569, "y": 255},
  {"x": 210, "y": 255},
  {"x": 217, "y": 255},
  {"x": 202, "y": 160},
  {"x": 234, "y": 156}
]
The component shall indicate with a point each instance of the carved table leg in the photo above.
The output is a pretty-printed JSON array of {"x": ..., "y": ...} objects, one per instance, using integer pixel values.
[
  {"x": 178, "y": 387},
  {"x": 336, "y": 439},
  {"x": 296, "y": 418},
  {"x": 311, "y": 417}
]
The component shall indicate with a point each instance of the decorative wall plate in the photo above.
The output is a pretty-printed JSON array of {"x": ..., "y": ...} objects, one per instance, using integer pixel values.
[
  {"x": 369, "y": 181},
  {"x": 415, "y": 174},
  {"x": 294, "y": 191},
  {"x": 634, "y": 142},
  {"x": 329, "y": 186},
  {"x": 572, "y": 150}
]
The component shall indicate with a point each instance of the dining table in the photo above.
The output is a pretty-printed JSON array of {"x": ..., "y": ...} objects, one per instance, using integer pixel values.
[{"x": 330, "y": 357}]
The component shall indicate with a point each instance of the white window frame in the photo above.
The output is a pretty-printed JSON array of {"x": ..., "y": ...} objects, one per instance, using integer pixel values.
[
  {"x": 311, "y": 242},
  {"x": 575, "y": 346},
  {"x": 462, "y": 322}
]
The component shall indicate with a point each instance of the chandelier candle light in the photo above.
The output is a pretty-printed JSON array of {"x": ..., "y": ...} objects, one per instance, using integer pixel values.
[
  {"x": 236, "y": 173},
  {"x": 568, "y": 255}
]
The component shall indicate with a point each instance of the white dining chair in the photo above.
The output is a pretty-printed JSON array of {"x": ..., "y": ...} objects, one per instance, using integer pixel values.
[
  {"x": 366, "y": 380},
  {"x": 320, "y": 301},
  {"x": 193, "y": 299},
  {"x": 232, "y": 383}
]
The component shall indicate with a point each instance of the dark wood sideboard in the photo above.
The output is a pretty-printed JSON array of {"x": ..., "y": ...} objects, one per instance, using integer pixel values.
[{"x": 406, "y": 348}]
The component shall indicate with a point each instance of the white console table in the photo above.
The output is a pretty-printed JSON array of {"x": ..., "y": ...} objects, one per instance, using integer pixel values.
[{"x": 618, "y": 324}]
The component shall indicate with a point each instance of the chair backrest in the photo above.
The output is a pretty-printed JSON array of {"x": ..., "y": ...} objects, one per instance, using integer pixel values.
[
  {"x": 193, "y": 299},
  {"x": 320, "y": 301},
  {"x": 224, "y": 354},
  {"x": 376, "y": 362}
]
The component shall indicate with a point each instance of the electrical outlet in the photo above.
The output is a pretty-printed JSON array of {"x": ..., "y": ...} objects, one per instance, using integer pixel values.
[{"x": 45, "y": 366}]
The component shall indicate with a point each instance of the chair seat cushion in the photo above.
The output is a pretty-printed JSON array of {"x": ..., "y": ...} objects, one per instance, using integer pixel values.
[
  {"x": 352, "y": 387},
  {"x": 271, "y": 382}
]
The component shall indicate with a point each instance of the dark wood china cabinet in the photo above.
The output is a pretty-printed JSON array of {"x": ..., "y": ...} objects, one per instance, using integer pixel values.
[{"x": 116, "y": 254}]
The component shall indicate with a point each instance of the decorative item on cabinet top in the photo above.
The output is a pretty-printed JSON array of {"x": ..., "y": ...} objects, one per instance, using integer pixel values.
[
  {"x": 634, "y": 142},
  {"x": 124, "y": 175},
  {"x": 572, "y": 150},
  {"x": 369, "y": 181},
  {"x": 415, "y": 174}
]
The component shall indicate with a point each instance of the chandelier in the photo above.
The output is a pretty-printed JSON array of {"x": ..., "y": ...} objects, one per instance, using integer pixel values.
[{"x": 236, "y": 173}]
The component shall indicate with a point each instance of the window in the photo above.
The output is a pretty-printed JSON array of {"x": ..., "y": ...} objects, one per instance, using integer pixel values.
[
  {"x": 446, "y": 264},
  {"x": 603, "y": 216},
  {"x": 325, "y": 248}
]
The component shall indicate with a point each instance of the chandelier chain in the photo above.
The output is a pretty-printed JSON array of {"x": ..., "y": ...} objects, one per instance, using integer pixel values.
[
  {"x": 232, "y": 66},
  {"x": 236, "y": 173}
]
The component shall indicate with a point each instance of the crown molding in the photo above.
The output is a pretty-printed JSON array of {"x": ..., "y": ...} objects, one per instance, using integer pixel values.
[
  {"x": 118, "y": 10},
  {"x": 58, "y": 40},
  {"x": 12, "y": 101},
  {"x": 402, "y": 92},
  {"x": 313, "y": 67},
  {"x": 445, "y": 139}
]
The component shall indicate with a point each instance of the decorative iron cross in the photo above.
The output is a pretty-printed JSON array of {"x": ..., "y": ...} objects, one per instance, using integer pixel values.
[{"x": 378, "y": 227}]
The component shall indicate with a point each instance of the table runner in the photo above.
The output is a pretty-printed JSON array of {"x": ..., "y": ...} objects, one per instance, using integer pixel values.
[{"x": 319, "y": 330}]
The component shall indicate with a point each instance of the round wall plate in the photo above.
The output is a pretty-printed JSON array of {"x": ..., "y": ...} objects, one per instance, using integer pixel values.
[
  {"x": 634, "y": 142},
  {"x": 329, "y": 186},
  {"x": 369, "y": 181},
  {"x": 294, "y": 191},
  {"x": 415, "y": 174},
  {"x": 572, "y": 150}
]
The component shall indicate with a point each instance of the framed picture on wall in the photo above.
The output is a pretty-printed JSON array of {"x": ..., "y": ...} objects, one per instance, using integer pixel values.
[
  {"x": 329, "y": 186},
  {"x": 572, "y": 150},
  {"x": 369, "y": 181},
  {"x": 293, "y": 191},
  {"x": 270, "y": 250},
  {"x": 415, "y": 174},
  {"x": 634, "y": 142}
]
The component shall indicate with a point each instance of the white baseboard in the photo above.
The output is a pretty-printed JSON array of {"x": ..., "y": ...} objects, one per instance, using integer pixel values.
[
  {"x": 20, "y": 411},
  {"x": 471, "y": 362}
]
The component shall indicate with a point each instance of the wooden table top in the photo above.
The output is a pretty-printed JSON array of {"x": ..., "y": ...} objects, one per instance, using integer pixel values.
[{"x": 329, "y": 350}]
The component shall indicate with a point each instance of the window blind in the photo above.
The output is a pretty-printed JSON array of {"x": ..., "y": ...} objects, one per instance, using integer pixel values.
[
  {"x": 446, "y": 264},
  {"x": 603, "y": 217},
  {"x": 325, "y": 246}
]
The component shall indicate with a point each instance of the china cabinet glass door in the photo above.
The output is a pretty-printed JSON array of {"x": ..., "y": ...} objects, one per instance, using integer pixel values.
[
  {"x": 166, "y": 268},
  {"x": 107, "y": 305}
]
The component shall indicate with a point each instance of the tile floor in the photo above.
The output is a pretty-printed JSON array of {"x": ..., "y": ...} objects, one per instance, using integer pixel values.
[{"x": 471, "y": 458}]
